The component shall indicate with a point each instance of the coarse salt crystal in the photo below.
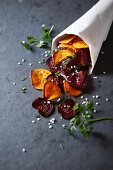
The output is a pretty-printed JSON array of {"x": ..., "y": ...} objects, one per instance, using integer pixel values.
[
  {"x": 58, "y": 99},
  {"x": 23, "y": 150},
  {"x": 97, "y": 96},
  {"x": 30, "y": 64},
  {"x": 82, "y": 97},
  {"x": 24, "y": 88},
  {"x": 14, "y": 83},
  {"x": 107, "y": 99},
  {"x": 53, "y": 119},
  {"x": 46, "y": 55},
  {"x": 33, "y": 121},
  {"x": 63, "y": 126},
  {"x": 50, "y": 126},
  {"x": 95, "y": 77},
  {"x": 38, "y": 118},
  {"x": 97, "y": 103},
  {"x": 83, "y": 102},
  {"x": 23, "y": 42},
  {"x": 104, "y": 72},
  {"x": 23, "y": 60},
  {"x": 19, "y": 63}
]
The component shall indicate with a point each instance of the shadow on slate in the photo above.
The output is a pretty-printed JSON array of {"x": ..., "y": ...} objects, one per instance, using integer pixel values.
[
  {"x": 90, "y": 86},
  {"x": 105, "y": 61}
]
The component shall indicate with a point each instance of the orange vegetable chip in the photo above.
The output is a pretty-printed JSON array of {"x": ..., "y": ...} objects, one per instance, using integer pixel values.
[
  {"x": 67, "y": 39},
  {"x": 51, "y": 91},
  {"x": 72, "y": 91},
  {"x": 61, "y": 54},
  {"x": 79, "y": 43},
  {"x": 38, "y": 77},
  {"x": 66, "y": 46}
]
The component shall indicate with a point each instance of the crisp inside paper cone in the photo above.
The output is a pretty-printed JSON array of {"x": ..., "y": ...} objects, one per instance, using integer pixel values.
[{"x": 92, "y": 28}]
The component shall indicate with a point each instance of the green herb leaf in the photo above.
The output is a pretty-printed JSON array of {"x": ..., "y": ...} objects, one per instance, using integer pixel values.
[
  {"x": 68, "y": 106},
  {"x": 24, "y": 78},
  {"x": 57, "y": 73},
  {"x": 89, "y": 106},
  {"x": 44, "y": 30},
  {"x": 61, "y": 146},
  {"x": 46, "y": 34},
  {"x": 75, "y": 55},
  {"x": 40, "y": 41},
  {"x": 46, "y": 37},
  {"x": 86, "y": 114},
  {"x": 66, "y": 63},
  {"x": 76, "y": 106},
  {"x": 85, "y": 131},
  {"x": 23, "y": 90},
  {"x": 70, "y": 132},
  {"x": 75, "y": 121},
  {"x": 52, "y": 51},
  {"x": 40, "y": 44},
  {"x": 25, "y": 45},
  {"x": 80, "y": 122},
  {"x": 31, "y": 39},
  {"x": 38, "y": 115},
  {"x": 99, "y": 119},
  {"x": 51, "y": 29}
]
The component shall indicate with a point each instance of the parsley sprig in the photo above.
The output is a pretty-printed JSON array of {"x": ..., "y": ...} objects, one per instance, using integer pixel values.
[
  {"x": 57, "y": 74},
  {"x": 24, "y": 78},
  {"x": 81, "y": 123},
  {"x": 40, "y": 41}
]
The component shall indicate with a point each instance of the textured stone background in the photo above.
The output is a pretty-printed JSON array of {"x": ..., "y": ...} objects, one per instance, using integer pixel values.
[{"x": 17, "y": 20}]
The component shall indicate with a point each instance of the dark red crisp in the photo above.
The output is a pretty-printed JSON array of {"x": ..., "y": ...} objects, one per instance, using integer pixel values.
[
  {"x": 66, "y": 109},
  {"x": 51, "y": 65},
  {"x": 72, "y": 65},
  {"x": 83, "y": 57},
  {"x": 58, "y": 80},
  {"x": 44, "y": 107},
  {"x": 77, "y": 80},
  {"x": 64, "y": 63}
]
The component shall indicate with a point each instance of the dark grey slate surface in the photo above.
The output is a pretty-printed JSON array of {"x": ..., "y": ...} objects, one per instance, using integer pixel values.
[{"x": 17, "y": 20}]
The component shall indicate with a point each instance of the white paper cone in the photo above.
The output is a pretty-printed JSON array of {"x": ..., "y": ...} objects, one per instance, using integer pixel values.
[{"x": 92, "y": 27}]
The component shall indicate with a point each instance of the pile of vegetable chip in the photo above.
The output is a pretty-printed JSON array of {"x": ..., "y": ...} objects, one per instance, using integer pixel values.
[{"x": 63, "y": 81}]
